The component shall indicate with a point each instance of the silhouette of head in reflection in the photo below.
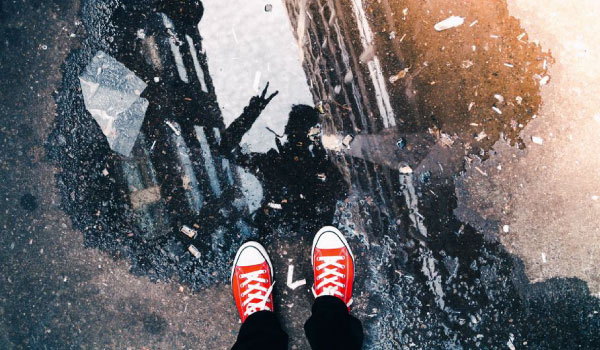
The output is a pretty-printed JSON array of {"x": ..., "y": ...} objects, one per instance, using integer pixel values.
[{"x": 301, "y": 186}]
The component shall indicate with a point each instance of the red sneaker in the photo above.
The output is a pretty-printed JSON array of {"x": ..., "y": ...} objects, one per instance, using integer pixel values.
[
  {"x": 252, "y": 280},
  {"x": 333, "y": 265}
]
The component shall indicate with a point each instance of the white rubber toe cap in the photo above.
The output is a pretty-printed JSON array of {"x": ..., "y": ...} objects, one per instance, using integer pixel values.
[
  {"x": 329, "y": 240},
  {"x": 249, "y": 254},
  {"x": 330, "y": 237}
]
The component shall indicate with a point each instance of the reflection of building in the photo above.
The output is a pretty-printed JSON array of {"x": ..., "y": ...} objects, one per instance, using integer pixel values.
[
  {"x": 175, "y": 175},
  {"x": 345, "y": 73}
]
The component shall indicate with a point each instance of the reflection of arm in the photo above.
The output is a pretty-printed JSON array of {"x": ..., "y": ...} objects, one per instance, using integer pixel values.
[
  {"x": 232, "y": 136},
  {"x": 234, "y": 133}
]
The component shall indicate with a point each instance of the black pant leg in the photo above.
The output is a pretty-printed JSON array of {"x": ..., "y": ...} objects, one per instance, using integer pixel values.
[
  {"x": 261, "y": 330},
  {"x": 331, "y": 327}
]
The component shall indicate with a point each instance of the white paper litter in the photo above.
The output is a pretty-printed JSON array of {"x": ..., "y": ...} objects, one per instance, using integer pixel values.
[
  {"x": 448, "y": 23},
  {"x": 537, "y": 139},
  {"x": 111, "y": 94},
  {"x": 275, "y": 206}
]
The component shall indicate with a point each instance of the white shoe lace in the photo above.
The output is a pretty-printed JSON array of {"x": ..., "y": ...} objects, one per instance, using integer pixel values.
[
  {"x": 330, "y": 285},
  {"x": 253, "y": 280}
]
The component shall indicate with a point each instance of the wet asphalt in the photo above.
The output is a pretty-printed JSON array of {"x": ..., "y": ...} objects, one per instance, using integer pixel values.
[{"x": 424, "y": 279}]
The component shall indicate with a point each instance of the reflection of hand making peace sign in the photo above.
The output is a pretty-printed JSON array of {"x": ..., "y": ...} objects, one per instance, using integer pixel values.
[{"x": 261, "y": 102}]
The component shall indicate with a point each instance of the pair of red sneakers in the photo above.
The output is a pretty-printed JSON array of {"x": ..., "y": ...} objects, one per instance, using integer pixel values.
[{"x": 252, "y": 272}]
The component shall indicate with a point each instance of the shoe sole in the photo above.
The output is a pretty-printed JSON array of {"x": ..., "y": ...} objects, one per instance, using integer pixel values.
[
  {"x": 335, "y": 231},
  {"x": 261, "y": 250}
]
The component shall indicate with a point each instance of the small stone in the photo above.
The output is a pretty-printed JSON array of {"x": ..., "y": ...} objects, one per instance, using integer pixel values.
[
  {"x": 268, "y": 8},
  {"x": 401, "y": 143},
  {"x": 538, "y": 140},
  {"x": 505, "y": 228}
]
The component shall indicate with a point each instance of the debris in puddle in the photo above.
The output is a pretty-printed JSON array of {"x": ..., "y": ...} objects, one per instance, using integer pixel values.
[
  {"x": 111, "y": 94},
  {"x": 474, "y": 23},
  {"x": 401, "y": 143},
  {"x": 144, "y": 196},
  {"x": 448, "y": 23},
  {"x": 466, "y": 64},
  {"x": 256, "y": 82},
  {"x": 505, "y": 228},
  {"x": 497, "y": 110},
  {"x": 446, "y": 140},
  {"x": 499, "y": 97},
  {"x": 482, "y": 135},
  {"x": 481, "y": 171},
  {"x": 332, "y": 142},
  {"x": 188, "y": 231},
  {"x": 313, "y": 133},
  {"x": 368, "y": 54},
  {"x": 509, "y": 343},
  {"x": 538, "y": 140},
  {"x": 174, "y": 127},
  {"x": 347, "y": 141},
  {"x": 140, "y": 34},
  {"x": 405, "y": 168},
  {"x": 275, "y": 206},
  {"x": 401, "y": 74},
  {"x": 290, "y": 279},
  {"x": 320, "y": 107},
  {"x": 194, "y": 251}
]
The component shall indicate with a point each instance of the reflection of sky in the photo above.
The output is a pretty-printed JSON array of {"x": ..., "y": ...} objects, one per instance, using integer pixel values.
[{"x": 246, "y": 47}]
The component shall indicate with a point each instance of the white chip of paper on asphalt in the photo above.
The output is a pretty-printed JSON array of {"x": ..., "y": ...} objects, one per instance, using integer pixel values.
[{"x": 448, "y": 23}]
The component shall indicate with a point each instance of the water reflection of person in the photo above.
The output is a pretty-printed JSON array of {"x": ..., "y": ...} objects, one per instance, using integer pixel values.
[{"x": 297, "y": 177}]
